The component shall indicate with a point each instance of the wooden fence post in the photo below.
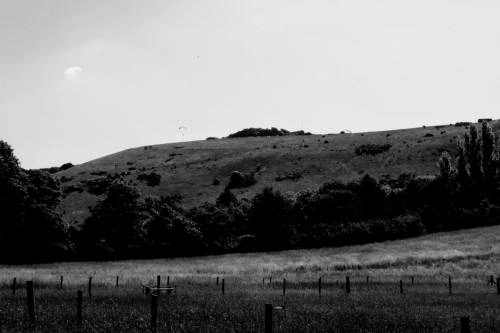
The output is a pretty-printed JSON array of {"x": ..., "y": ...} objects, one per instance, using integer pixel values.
[
  {"x": 117, "y": 280},
  {"x": 492, "y": 280},
  {"x": 168, "y": 280},
  {"x": 30, "y": 298},
  {"x": 90, "y": 287},
  {"x": 270, "y": 279},
  {"x": 268, "y": 318},
  {"x": 449, "y": 284},
  {"x": 79, "y": 301},
  {"x": 347, "y": 285},
  {"x": 498, "y": 285},
  {"x": 223, "y": 287},
  {"x": 158, "y": 281},
  {"x": 284, "y": 287},
  {"x": 154, "y": 312},
  {"x": 217, "y": 281},
  {"x": 13, "y": 286},
  {"x": 319, "y": 286},
  {"x": 412, "y": 280},
  {"x": 61, "y": 281},
  {"x": 464, "y": 325}
]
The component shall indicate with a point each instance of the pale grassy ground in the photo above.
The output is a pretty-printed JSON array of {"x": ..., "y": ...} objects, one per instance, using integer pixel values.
[{"x": 467, "y": 255}]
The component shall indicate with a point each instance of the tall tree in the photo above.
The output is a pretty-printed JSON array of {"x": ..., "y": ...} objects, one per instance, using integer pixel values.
[
  {"x": 446, "y": 169},
  {"x": 488, "y": 156},
  {"x": 462, "y": 166}
]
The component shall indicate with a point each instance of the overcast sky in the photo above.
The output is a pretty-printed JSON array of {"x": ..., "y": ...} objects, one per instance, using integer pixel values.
[{"x": 83, "y": 79}]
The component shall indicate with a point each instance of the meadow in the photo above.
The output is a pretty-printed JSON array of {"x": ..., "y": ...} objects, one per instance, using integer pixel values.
[{"x": 469, "y": 257}]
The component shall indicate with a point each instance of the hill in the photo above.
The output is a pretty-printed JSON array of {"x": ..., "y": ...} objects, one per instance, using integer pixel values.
[{"x": 200, "y": 170}]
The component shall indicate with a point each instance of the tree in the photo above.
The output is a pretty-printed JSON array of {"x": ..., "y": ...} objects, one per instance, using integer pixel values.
[
  {"x": 269, "y": 219},
  {"x": 373, "y": 199},
  {"x": 115, "y": 222},
  {"x": 489, "y": 156},
  {"x": 473, "y": 153},
  {"x": 169, "y": 231},
  {"x": 226, "y": 198},
  {"x": 462, "y": 166},
  {"x": 446, "y": 168},
  {"x": 30, "y": 229}
]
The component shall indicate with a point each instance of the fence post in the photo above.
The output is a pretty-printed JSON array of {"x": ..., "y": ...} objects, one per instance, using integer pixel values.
[
  {"x": 117, "y": 280},
  {"x": 30, "y": 298},
  {"x": 217, "y": 281},
  {"x": 270, "y": 280},
  {"x": 90, "y": 287},
  {"x": 158, "y": 281},
  {"x": 284, "y": 287},
  {"x": 449, "y": 284},
  {"x": 154, "y": 312},
  {"x": 464, "y": 325},
  {"x": 319, "y": 286},
  {"x": 492, "y": 280},
  {"x": 61, "y": 280},
  {"x": 367, "y": 279},
  {"x": 223, "y": 287},
  {"x": 401, "y": 286},
  {"x": 168, "y": 280},
  {"x": 79, "y": 299},
  {"x": 412, "y": 280},
  {"x": 347, "y": 285},
  {"x": 268, "y": 318},
  {"x": 498, "y": 285},
  {"x": 13, "y": 286}
]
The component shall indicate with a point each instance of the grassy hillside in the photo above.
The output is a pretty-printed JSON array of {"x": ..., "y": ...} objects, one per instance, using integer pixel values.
[{"x": 192, "y": 168}]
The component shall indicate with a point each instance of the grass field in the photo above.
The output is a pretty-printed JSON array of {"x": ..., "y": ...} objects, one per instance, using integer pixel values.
[{"x": 468, "y": 256}]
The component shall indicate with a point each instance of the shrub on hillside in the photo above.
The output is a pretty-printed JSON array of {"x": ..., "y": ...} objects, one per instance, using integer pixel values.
[
  {"x": 252, "y": 132},
  {"x": 151, "y": 179},
  {"x": 98, "y": 186},
  {"x": 241, "y": 180},
  {"x": 372, "y": 149},
  {"x": 288, "y": 175}
]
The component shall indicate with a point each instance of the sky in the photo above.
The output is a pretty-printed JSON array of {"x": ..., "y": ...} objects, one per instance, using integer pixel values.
[{"x": 84, "y": 79}]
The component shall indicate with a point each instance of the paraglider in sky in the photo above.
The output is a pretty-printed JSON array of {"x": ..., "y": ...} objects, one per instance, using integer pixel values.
[{"x": 182, "y": 130}]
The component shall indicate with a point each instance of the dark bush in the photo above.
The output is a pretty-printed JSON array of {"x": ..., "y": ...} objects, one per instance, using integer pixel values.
[
  {"x": 253, "y": 132},
  {"x": 372, "y": 149},
  {"x": 151, "y": 179},
  {"x": 241, "y": 180},
  {"x": 288, "y": 176},
  {"x": 98, "y": 186},
  {"x": 72, "y": 188}
]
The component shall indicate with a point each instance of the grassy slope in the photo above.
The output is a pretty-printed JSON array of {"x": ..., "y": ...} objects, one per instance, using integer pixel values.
[
  {"x": 189, "y": 168},
  {"x": 468, "y": 255}
]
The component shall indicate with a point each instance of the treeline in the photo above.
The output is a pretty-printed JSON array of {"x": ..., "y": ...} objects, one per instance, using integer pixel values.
[
  {"x": 464, "y": 194},
  {"x": 273, "y": 131}
]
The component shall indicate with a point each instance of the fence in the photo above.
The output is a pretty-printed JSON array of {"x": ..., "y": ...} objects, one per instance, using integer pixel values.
[{"x": 269, "y": 308}]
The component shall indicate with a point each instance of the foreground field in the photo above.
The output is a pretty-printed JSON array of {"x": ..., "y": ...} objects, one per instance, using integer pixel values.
[
  {"x": 200, "y": 307},
  {"x": 469, "y": 257}
]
